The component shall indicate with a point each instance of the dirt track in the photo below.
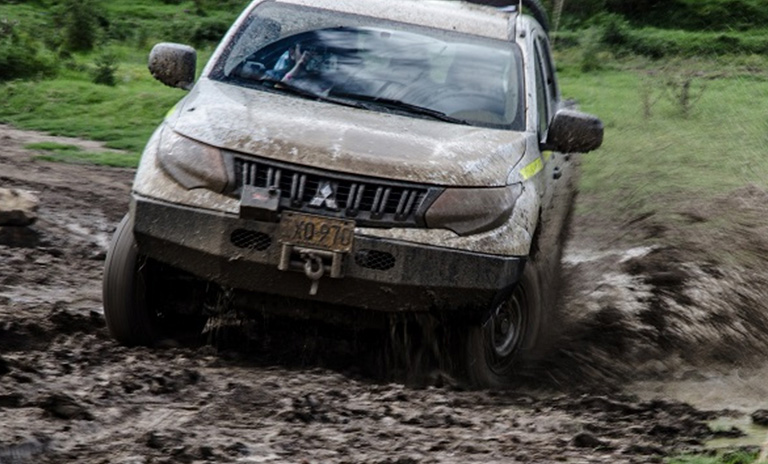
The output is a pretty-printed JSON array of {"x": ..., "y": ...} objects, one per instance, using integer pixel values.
[{"x": 675, "y": 318}]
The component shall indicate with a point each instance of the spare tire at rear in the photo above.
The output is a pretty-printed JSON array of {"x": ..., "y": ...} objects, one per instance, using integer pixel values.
[{"x": 533, "y": 7}]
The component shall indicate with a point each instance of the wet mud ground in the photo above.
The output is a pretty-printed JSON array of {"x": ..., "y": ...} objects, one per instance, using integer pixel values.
[{"x": 658, "y": 341}]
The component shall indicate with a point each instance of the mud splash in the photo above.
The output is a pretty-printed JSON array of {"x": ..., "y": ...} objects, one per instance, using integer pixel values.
[{"x": 691, "y": 305}]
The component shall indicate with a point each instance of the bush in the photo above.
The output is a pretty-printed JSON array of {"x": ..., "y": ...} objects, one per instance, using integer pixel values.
[
  {"x": 80, "y": 20},
  {"x": 638, "y": 10},
  {"x": 209, "y": 31},
  {"x": 106, "y": 68},
  {"x": 616, "y": 30},
  {"x": 590, "y": 51},
  {"x": 712, "y": 15},
  {"x": 20, "y": 55}
]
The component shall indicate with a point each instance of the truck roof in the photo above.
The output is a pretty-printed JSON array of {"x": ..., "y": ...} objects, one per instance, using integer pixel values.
[{"x": 452, "y": 15}]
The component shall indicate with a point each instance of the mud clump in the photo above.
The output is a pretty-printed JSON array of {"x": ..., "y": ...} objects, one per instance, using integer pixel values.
[
  {"x": 65, "y": 407},
  {"x": 24, "y": 451},
  {"x": 4, "y": 367},
  {"x": 760, "y": 417}
]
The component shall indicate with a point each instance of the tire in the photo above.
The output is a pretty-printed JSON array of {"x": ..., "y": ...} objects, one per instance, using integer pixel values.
[
  {"x": 497, "y": 349},
  {"x": 142, "y": 297},
  {"x": 539, "y": 13},
  {"x": 534, "y": 7},
  {"x": 126, "y": 309}
]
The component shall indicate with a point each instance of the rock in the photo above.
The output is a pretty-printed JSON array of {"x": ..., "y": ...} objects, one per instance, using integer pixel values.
[
  {"x": 64, "y": 407},
  {"x": 760, "y": 417},
  {"x": 163, "y": 441},
  {"x": 207, "y": 453},
  {"x": 10, "y": 401},
  {"x": 5, "y": 368},
  {"x": 22, "y": 452},
  {"x": 19, "y": 237},
  {"x": 18, "y": 207},
  {"x": 733, "y": 432},
  {"x": 644, "y": 450},
  {"x": 587, "y": 440}
]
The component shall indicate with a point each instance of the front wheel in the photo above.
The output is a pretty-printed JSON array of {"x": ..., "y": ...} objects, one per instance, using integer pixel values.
[
  {"x": 497, "y": 347},
  {"x": 139, "y": 295},
  {"x": 126, "y": 310}
]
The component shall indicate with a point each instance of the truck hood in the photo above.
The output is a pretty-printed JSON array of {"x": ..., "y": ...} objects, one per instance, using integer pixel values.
[{"x": 343, "y": 139}]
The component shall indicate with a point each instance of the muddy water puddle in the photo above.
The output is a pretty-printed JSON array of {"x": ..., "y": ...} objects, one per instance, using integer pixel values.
[
  {"x": 754, "y": 436},
  {"x": 743, "y": 390}
]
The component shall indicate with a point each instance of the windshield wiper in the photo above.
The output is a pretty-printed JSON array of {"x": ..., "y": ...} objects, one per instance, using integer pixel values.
[
  {"x": 286, "y": 87},
  {"x": 355, "y": 100},
  {"x": 372, "y": 102}
]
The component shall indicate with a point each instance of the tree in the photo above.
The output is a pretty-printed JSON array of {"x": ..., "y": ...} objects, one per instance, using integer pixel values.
[{"x": 81, "y": 24}]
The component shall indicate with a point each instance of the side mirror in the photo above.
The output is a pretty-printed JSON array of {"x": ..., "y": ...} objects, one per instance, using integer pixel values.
[
  {"x": 574, "y": 132},
  {"x": 173, "y": 64}
]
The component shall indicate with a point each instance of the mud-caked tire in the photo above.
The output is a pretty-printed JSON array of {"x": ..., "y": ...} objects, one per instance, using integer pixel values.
[
  {"x": 129, "y": 316},
  {"x": 499, "y": 347},
  {"x": 538, "y": 11}
]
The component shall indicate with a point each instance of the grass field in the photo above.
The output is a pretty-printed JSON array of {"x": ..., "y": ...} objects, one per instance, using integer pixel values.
[
  {"x": 123, "y": 116},
  {"x": 669, "y": 156},
  {"x": 50, "y": 151}
]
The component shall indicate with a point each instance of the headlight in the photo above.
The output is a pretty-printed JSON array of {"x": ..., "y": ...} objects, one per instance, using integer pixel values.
[
  {"x": 192, "y": 164},
  {"x": 468, "y": 211}
]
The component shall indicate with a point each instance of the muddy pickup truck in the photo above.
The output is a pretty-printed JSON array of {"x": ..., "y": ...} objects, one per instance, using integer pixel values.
[{"x": 345, "y": 159}]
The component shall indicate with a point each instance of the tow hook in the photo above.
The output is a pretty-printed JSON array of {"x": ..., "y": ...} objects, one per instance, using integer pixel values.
[
  {"x": 314, "y": 269},
  {"x": 313, "y": 262}
]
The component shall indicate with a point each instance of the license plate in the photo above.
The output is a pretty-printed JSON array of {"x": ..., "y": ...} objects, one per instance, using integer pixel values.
[{"x": 317, "y": 232}]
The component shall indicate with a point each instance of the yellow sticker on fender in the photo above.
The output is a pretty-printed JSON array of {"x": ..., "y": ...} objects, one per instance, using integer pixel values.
[
  {"x": 532, "y": 169},
  {"x": 170, "y": 112}
]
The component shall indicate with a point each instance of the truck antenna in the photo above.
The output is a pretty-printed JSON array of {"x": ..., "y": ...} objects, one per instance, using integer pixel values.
[{"x": 559, "y": 4}]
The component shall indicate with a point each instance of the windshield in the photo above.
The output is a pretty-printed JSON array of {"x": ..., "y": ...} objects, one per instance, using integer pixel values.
[{"x": 377, "y": 65}]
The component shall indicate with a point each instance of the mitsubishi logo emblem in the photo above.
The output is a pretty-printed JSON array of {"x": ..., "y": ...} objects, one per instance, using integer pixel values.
[{"x": 324, "y": 196}]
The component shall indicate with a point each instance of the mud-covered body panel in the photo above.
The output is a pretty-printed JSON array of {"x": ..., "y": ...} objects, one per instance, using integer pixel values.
[
  {"x": 329, "y": 136},
  {"x": 413, "y": 277},
  {"x": 436, "y": 268}
]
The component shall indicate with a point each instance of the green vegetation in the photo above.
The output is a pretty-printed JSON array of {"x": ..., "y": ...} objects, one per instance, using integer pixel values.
[
  {"x": 20, "y": 55},
  {"x": 124, "y": 116},
  {"x": 721, "y": 15},
  {"x": 78, "y": 68},
  {"x": 735, "y": 457},
  {"x": 621, "y": 39},
  {"x": 714, "y": 149},
  {"x": 74, "y": 154}
]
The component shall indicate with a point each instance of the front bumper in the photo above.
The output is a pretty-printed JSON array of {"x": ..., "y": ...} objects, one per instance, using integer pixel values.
[{"x": 378, "y": 274}]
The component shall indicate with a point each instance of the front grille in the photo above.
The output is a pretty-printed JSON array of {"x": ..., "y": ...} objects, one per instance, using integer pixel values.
[
  {"x": 250, "y": 239},
  {"x": 368, "y": 201},
  {"x": 374, "y": 259}
]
